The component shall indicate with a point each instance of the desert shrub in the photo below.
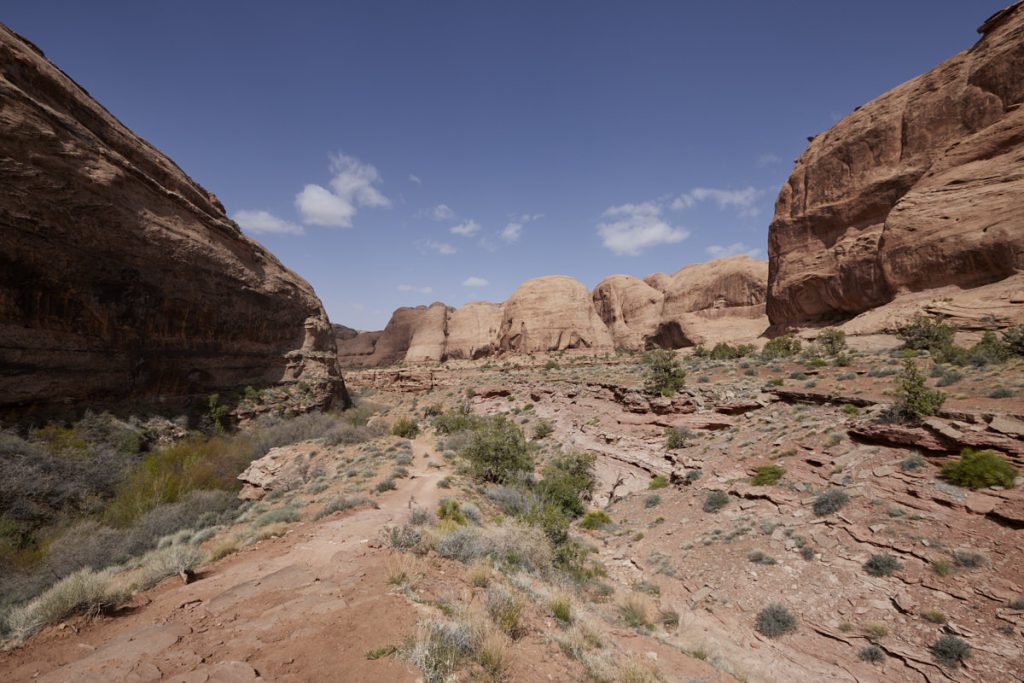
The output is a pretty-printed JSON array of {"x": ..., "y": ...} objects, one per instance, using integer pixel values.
[
  {"x": 595, "y": 519},
  {"x": 913, "y": 398},
  {"x": 386, "y": 484},
  {"x": 658, "y": 481},
  {"x": 979, "y": 469},
  {"x": 807, "y": 552},
  {"x": 497, "y": 451},
  {"x": 968, "y": 559},
  {"x": 677, "y": 437},
  {"x": 758, "y": 557},
  {"x": 171, "y": 560},
  {"x": 1013, "y": 339},
  {"x": 345, "y": 434},
  {"x": 279, "y": 516},
  {"x": 456, "y": 420},
  {"x": 449, "y": 511},
  {"x": 567, "y": 482},
  {"x": 561, "y": 608},
  {"x": 662, "y": 373},
  {"x": 405, "y": 537},
  {"x": 407, "y": 428},
  {"x": 1016, "y": 603},
  {"x": 767, "y": 475},
  {"x": 831, "y": 340},
  {"x": 913, "y": 462},
  {"x": 513, "y": 501},
  {"x": 440, "y": 648},
  {"x": 882, "y": 565},
  {"x": 723, "y": 351},
  {"x": 775, "y": 620},
  {"x": 1002, "y": 392},
  {"x": 925, "y": 333},
  {"x": 781, "y": 347},
  {"x": 85, "y": 591},
  {"x": 505, "y": 610},
  {"x": 343, "y": 503},
  {"x": 934, "y": 616},
  {"x": 464, "y": 544},
  {"x": 871, "y": 653},
  {"x": 941, "y": 567},
  {"x": 950, "y": 651},
  {"x": 715, "y": 501},
  {"x": 542, "y": 430},
  {"x": 652, "y": 500},
  {"x": 829, "y": 501},
  {"x": 989, "y": 350},
  {"x": 635, "y": 611}
]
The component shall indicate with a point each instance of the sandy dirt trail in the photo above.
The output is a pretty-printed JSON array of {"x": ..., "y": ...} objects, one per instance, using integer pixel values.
[{"x": 304, "y": 607}]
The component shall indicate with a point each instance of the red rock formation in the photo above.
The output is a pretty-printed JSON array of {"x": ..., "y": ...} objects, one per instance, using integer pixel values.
[
  {"x": 120, "y": 277},
  {"x": 921, "y": 188}
]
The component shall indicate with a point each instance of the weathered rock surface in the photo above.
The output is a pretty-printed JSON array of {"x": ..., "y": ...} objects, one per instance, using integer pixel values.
[
  {"x": 717, "y": 301},
  {"x": 920, "y": 188},
  {"x": 553, "y": 313},
  {"x": 120, "y": 277}
]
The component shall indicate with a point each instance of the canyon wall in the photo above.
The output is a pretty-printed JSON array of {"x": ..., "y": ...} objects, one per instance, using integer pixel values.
[
  {"x": 921, "y": 188},
  {"x": 121, "y": 279}
]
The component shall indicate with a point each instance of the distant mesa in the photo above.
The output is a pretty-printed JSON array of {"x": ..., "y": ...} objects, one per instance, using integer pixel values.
[
  {"x": 717, "y": 301},
  {"x": 121, "y": 279}
]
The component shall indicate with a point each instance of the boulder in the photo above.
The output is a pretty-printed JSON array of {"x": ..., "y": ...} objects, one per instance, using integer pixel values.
[
  {"x": 920, "y": 188},
  {"x": 122, "y": 281}
]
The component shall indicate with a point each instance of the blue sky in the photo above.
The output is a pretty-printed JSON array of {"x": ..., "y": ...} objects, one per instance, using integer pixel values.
[{"x": 399, "y": 153}]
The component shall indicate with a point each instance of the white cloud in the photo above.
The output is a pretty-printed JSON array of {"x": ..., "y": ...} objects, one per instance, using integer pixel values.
[
  {"x": 352, "y": 186},
  {"x": 635, "y": 227},
  {"x": 442, "y": 248},
  {"x": 442, "y": 212},
  {"x": 742, "y": 199},
  {"x": 264, "y": 222},
  {"x": 475, "y": 281},
  {"x": 466, "y": 229},
  {"x": 768, "y": 160},
  {"x": 415, "y": 179},
  {"x": 414, "y": 288},
  {"x": 514, "y": 230},
  {"x": 734, "y": 249}
]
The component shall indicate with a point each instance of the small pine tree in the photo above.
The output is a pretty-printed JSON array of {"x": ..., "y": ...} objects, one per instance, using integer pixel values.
[
  {"x": 664, "y": 375},
  {"x": 914, "y": 399}
]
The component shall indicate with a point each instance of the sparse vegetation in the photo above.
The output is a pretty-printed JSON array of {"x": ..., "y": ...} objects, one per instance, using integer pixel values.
[
  {"x": 831, "y": 341},
  {"x": 715, "y": 501},
  {"x": 677, "y": 437},
  {"x": 781, "y": 347},
  {"x": 766, "y": 475},
  {"x": 950, "y": 651},
  {"x": 406, "y": 427},
  {"x": 871, "y": 653},
  {"x": 830, "y": 501},
  {"x": 663, "y": 374},
  {"x": 595, "y": 519},
  {"x": 775, "y": 620},
  {"x": 979, "y": 469},
  {"x": 882, "y": 565}
]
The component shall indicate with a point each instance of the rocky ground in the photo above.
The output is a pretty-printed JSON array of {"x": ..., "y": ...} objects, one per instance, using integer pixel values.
[{"x": 331, "y": 598}]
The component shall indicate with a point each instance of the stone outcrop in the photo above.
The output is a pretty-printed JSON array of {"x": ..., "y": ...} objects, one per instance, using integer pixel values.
[
  {"x": 553, "y": 313},
  {"x": 918, "y": 189},
  {"x": 121, "y": 279},
  {"x": 721, "y": 300}
]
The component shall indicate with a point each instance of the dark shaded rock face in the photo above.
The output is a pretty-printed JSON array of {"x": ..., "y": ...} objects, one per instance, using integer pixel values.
[
  {"x": 923, "y": 187},
  {"x": 121, "y": 279}
]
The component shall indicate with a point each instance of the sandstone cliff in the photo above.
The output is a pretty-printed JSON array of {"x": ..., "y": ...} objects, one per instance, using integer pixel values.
[
  {"x": 919, "y": 189},
  {"x": 721, "y": 300},
  {"x": 121, "y": 279}
]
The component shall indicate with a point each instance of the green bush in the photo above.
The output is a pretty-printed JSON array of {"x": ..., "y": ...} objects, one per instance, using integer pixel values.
[
  {"x": 542, "y": 430},
  {"x": 568, "y": 481},
  {"x": 767, "y": 475},
  {"x": 280, "y": 515},
  {"x": 406, "y": 428},
  {"x": 715, "y": 501},
  {"x": 658, "y": 481},
  {"x": 677, "y": 437},
  {"x": 925, "y": 333},
  {"x": 595, "y": 519},
  {"x": 979, "y": 469},
  {"x": 652, "y": 500},
  {"x": 775, "y": 620},
  {"x": 829, "y": 501},
  {"x": 989, "y": 351},
  {"x": 831, "y": 340},
  {"x": 871, "y": 653},
  {"x": 497, "y": 451},
  {"x": 663, "y": 374},
  {"x": 781, "y": 347},
  {"x": 450, "y": 510},
  {"x": 913, "y": 398},
  {"x": 882, "y": 565},
  {"x": 1013, "y": 339},
  {"x": 723, "y": 351},
  {"x": 452, "y": 421},
  {"x": 950, "y": 651}
]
